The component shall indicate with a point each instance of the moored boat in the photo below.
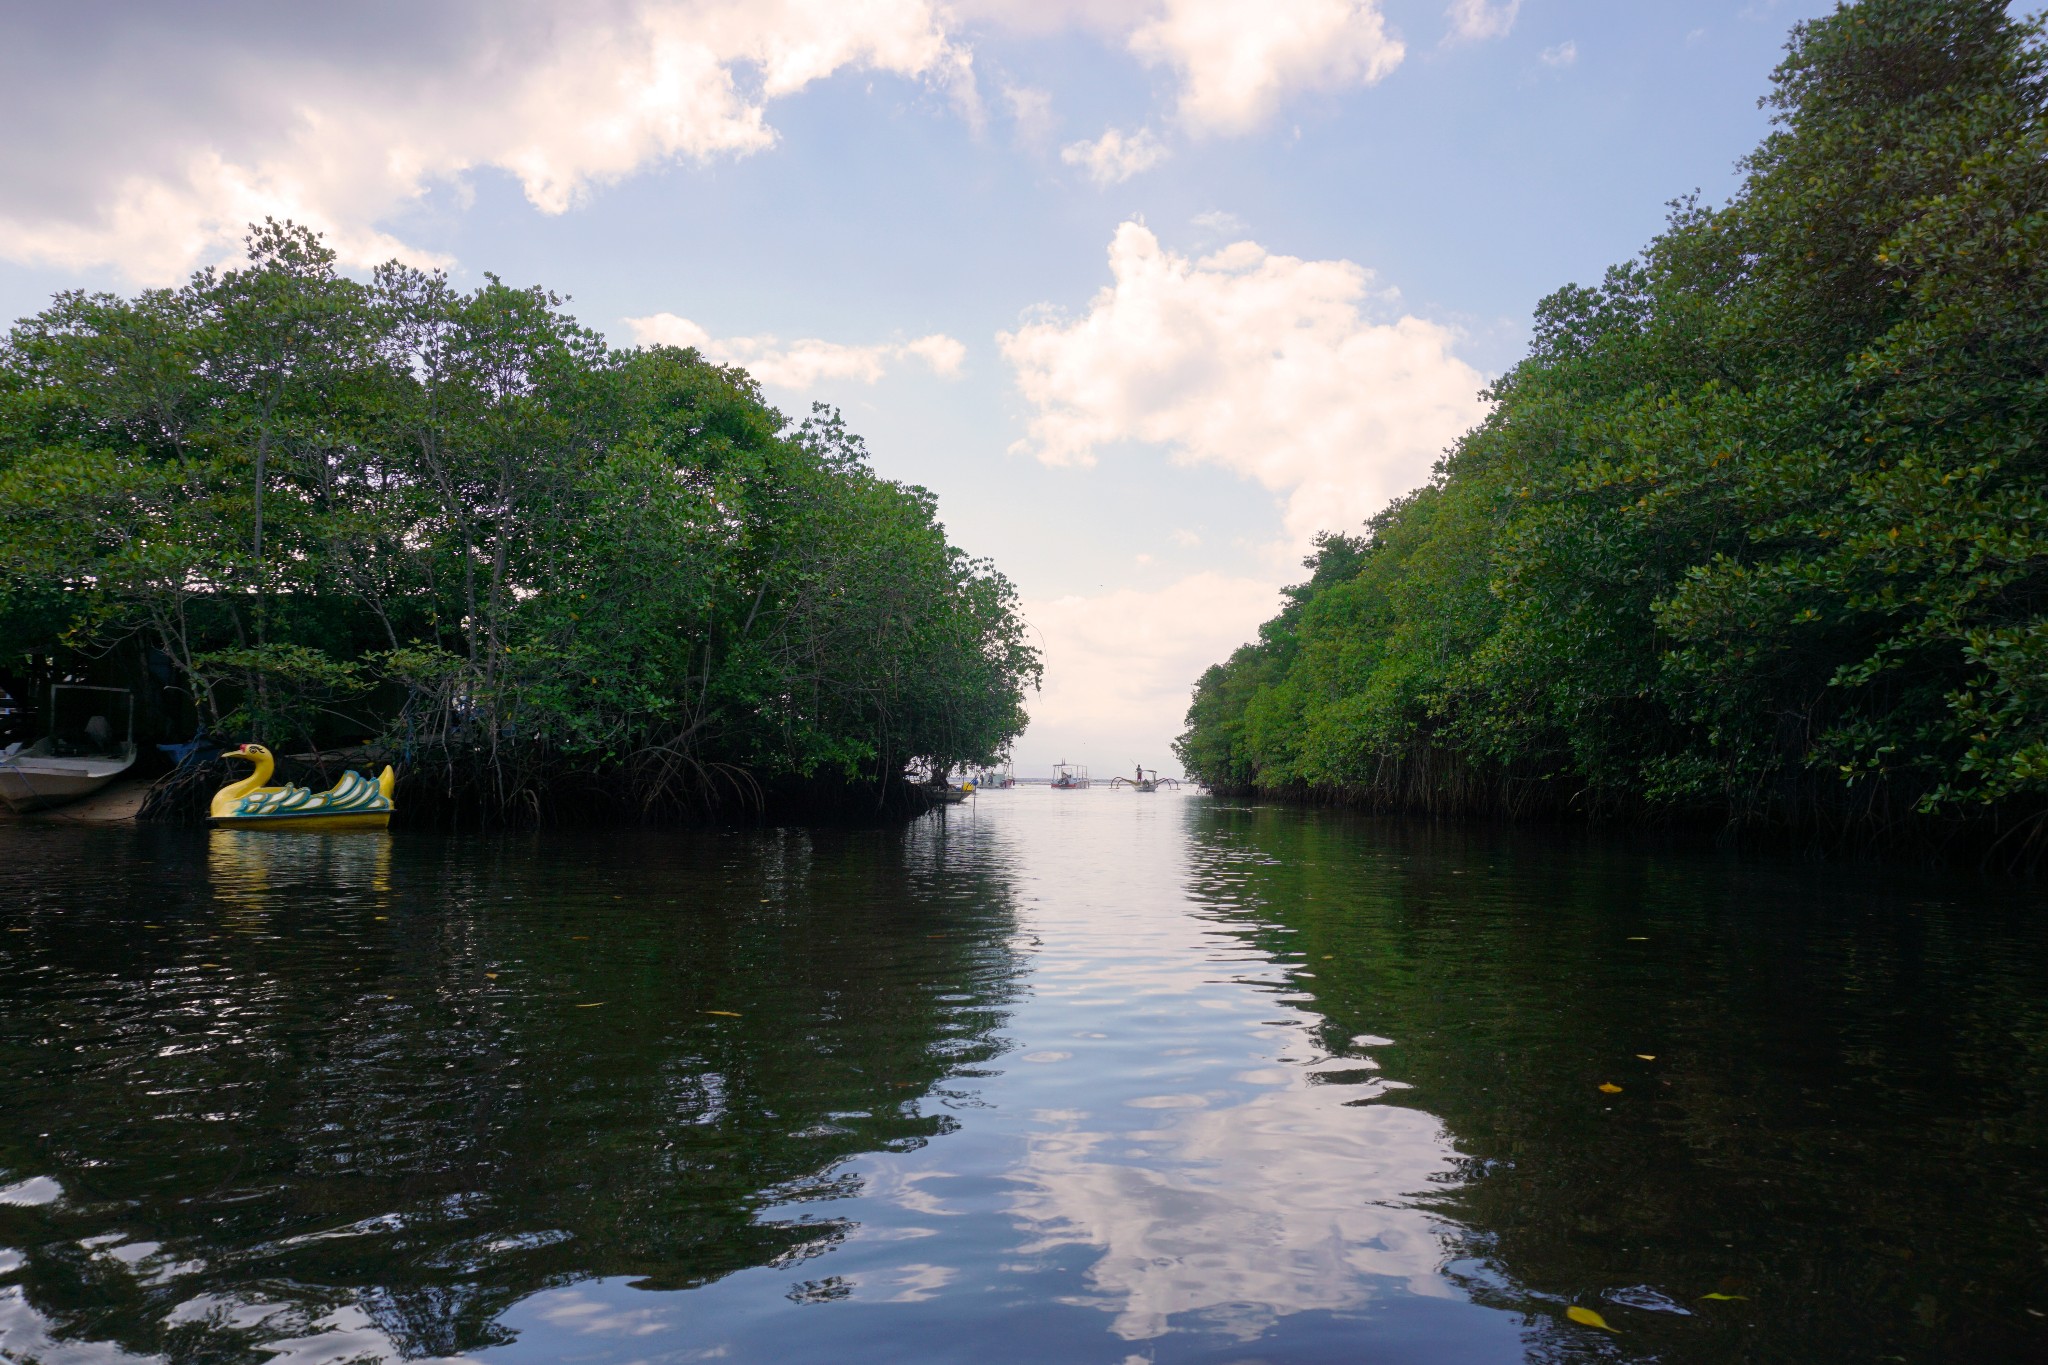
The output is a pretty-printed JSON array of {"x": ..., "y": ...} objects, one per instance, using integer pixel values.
[
  {"x": 353, "y": 802},
  {"x": 1069, "y": 776},
  {"x": 992, "y": 779},
  {"x": 84, "y": 751}
]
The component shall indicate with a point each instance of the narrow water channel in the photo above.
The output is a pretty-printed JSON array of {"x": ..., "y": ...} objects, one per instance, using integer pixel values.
[{"x": 1059, "y": 1077}]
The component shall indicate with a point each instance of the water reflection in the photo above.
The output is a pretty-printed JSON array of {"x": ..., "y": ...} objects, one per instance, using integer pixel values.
[
  {"x": 331, "y": 1098},
  {"x": 1237, "y": 1217},
  {"x": 1745, "y": 1109},
  {"x": 1049, "y": 1077},
  {"x": 264, "y": 869},
  {"x": 1222, "y": 1183}
]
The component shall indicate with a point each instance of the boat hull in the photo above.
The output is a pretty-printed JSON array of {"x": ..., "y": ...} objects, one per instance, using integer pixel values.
[
  {"x": 375, "y": 819},
  {"x": 24, "y": 788}
]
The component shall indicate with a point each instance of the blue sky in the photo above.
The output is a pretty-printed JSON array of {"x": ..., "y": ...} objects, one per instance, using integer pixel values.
[{"x": 1146, "y": 290}]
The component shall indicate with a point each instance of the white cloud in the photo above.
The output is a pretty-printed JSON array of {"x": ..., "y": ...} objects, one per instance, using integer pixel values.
[
  {"x": 1119, "y": 665},
  {"x": 1030, "y": 113},
  {"x": 1564, "y": 54},
  {"x": 1262, "y": 364},
  {"x": 560, "y": 105},
  {"x": 1113, "y": 158},
  {"x": 941, "y": 352},
  {"x": 1237, "y": 60},
  {"x": 1478, "y": 19},
  {"x": 1039, "y": 18},
  {"x": 342, "y": 131},
  {"x": 1265, "y": 365},
  {"x": 804, "y": 363}
]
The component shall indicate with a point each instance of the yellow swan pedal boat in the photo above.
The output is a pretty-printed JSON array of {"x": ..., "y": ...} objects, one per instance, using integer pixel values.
[{"x": 355, "y": 802}]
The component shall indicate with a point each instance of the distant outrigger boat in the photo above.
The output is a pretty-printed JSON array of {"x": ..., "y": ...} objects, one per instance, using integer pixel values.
[
  {"x": 71, "y": 761},
  {"x": 1147, "y": 780},
  {"x": 354, "y": 802},
  {"x": 1071, "y": 776}
]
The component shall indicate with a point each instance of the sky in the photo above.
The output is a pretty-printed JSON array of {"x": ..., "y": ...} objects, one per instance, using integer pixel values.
[{"x": 1148, "y": 292}]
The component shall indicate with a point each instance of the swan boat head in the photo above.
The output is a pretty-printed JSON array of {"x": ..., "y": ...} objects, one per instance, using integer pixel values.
[{"x": 265, "y": 761}]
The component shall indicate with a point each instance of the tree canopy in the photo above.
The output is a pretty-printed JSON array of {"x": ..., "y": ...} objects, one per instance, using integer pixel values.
[
  {"x": 1759, "y": 528},
  {"x": 316, "y": 510}
]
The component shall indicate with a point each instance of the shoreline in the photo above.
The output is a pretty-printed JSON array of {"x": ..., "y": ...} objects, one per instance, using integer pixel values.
[{"x": 114, "y": 804}]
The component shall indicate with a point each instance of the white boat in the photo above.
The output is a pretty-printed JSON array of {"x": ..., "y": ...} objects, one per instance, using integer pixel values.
[{"x": 83, "y": 752}]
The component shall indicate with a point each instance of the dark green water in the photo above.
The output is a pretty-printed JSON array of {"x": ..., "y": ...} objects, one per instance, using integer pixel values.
[{"x": 1059, "y": 1077}]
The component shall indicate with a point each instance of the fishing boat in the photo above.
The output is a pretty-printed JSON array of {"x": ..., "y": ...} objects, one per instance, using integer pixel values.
[
  {"x": 91, "y": 742},
  {"x": 354, "y": 802},
  {"x": 1069, "y": 776},
  {"x": 996, "y": 780},
  {"x": 952, "y": 795},
  {"x": 1147, "y": 780}
]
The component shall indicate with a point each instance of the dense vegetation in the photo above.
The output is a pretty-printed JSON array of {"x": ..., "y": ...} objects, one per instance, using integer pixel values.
[
  {"x": 543, "y": 573},
  {"x": 1759, "y": 528}
]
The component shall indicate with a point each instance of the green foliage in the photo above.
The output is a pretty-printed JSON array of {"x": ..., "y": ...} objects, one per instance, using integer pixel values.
[
  {"x": 1760, "y": 526},
  {"x": 302, "y": 688},
  {"x": 462, "y": 525}
]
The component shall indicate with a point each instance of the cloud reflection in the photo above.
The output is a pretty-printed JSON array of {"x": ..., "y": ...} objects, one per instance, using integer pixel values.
[
  {"x": 1225, "y": 1171},
  {"x": 1284, "y": 1203}
]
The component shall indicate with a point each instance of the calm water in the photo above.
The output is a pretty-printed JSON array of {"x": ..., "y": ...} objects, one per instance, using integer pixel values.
[{"x": 1058, "y": 1077}]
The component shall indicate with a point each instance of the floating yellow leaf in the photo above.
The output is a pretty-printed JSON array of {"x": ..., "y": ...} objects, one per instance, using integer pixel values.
[
  {"x": 491, "y": 976},
  {"x": 730, "y": 1014},
  {"x": 1586, "y": 1317},
  {"x": 1638, "y": 938},
  {"x": 1647, "y": 1056},
  {"x": 1725, "y": 1298},
  {"x": 591, "y": 1006},
  {"x": 1609, "y": 1088}
]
